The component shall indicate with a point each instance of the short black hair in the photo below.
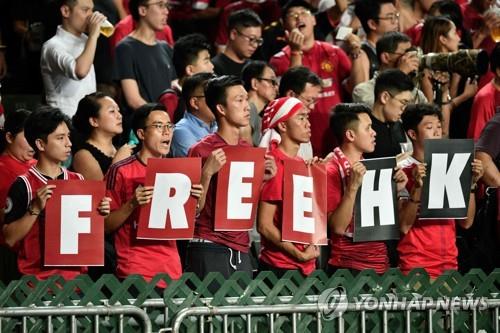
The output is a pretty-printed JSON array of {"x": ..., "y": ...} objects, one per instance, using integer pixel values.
[
  {"x": 450, "y": 9},
  {"x": 187, "y": 50},
  {"x": 133, "y": 7},
  {"x": 88, "y": 107},
  {"x": 414, "y": 113},
  {"x": 390, "y": 41},
  {"x": 42, "y": 122},
  {"x": 216, "y": 90},
  {"x": 142, "y": 113},
  {"x": 253, "y": 69},
  {"x": 346, "y": 116},
  {"x": 495, "y": 58},
  {"x": 243, "y": 18},
  {"x": 296, "y": 78},
  {"x": 69, "y": 3},
  {"x": 192, "y": 83},
  {"x": 394, "y": 81},
  {"x": 14, "y": 124},
  {"x": 296, "y": 3},
  {"x": 368, "y": 10}
]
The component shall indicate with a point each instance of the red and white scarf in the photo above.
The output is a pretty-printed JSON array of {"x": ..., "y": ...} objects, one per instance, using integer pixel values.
[{"x": 276, "y": 112}]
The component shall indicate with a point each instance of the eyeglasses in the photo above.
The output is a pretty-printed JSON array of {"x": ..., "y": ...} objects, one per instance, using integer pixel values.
[
  {"x": 251, "y": 39},
  {"x": 308, "y": 102},
  {"x": 403, "y": 102},
  {"x": 394, "y": 17},
  {"x": 274, "y": 82},
  {"x": 397, "y": 53},
  {"x": 161, "y": 127},
  {"x": 160, "y": 4},
  {"x": 296, "y": 15}
]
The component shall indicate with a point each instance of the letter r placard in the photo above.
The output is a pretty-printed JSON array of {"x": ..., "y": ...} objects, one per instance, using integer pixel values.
[
  {"x": 171, "y": 212},
  {"x": 238, "y": 188},
  {"x": 74, "y": 229}
]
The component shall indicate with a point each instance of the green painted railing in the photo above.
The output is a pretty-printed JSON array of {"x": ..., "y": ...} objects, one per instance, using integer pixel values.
[{"x": 265, "y": 289}]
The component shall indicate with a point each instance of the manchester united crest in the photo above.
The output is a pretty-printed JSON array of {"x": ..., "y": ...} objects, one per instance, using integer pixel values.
[{"x": 327, "y": 66}]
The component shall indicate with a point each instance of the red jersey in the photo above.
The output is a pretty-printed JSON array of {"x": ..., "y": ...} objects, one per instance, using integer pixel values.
[
  {"x": 272, "y": 191},
  {"x": 430, "y": 244},
  {"x": 483, "y": 109},
  {"x": 204, "y": 225},
  {"x": 11, "y": 169},
  {"x": 332, "y": 65},
  {"x": 137, "y": 256},
  {"x": 184, "y": 9},
  {"x": 127, "y": 25},
  {"x": 343, "y": 251},
  {"x": 415, "y": 33},
  {"x": 473, "y": 21},
  {"x": 31, "y": 247},
  {"x": 269, "y": 11}
]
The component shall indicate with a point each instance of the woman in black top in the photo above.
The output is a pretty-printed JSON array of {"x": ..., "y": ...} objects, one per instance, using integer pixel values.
[{"x": 97, "y": 121}]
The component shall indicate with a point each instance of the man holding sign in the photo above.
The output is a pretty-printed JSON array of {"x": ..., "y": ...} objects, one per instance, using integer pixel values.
[
  {"x": 352, "y": 127},
  {"x": 47, "y": 131},
  {"x": 125, "y": 185},
  {"x": 428, "y": 243},
  {"x": 210, "y": 250},
  {"x": 285, "y": 126}
]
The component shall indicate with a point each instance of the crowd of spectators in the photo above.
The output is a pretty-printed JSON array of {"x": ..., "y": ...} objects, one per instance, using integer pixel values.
[{"x": 328, "y": 81}]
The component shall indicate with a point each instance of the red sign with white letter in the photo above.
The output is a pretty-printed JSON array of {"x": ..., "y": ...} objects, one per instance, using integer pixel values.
[
  {"x": 304, "y": 203},
  {"x": 238, "y": 188},
  {"x": 171, "y": 212},
  {"x": 74, "y": 229}
]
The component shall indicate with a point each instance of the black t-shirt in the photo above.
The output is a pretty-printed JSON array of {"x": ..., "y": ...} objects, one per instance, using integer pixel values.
[
  {"x": 274, "y": 41},
  {"x": 150, "y": 65},
  {"x": 225, "y": 66},
  {"x": 488, "y": 141},
  {"x": 388, "y": 139},
  {"x": 371, "y": 53}
]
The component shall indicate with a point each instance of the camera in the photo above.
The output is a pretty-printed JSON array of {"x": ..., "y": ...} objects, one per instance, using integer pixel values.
[{"x": 467, "y": 62}]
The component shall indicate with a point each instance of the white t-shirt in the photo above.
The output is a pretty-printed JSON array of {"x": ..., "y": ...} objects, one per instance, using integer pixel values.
[{"x": 63, "y": 89}]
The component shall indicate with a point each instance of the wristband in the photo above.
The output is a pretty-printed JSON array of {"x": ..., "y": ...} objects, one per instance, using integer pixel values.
[
  {"x": 473, "y": 188},
  {"x": 297, "y": 53}
]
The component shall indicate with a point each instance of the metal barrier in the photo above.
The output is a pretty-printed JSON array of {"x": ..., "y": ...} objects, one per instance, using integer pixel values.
[
  {"x": 163, "y": 307},
  {"x": 73, "y": 311},
  {"x": 317, "y": 309}
]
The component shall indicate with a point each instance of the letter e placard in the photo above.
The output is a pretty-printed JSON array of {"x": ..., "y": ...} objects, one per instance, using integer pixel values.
[
  {"x": 238, "y": 188},
  {"x": 304, "y": 203}
]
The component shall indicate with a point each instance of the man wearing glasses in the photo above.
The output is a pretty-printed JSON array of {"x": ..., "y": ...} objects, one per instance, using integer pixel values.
[
  {"x": 394, "y": 50},
  {"x": 377, "y": 17},
  {"x": 268, "y": 10},
  {"x": 244, "y": 37},
  {"x": 143, "y": 64},
  {"x": 125, "y": 186},
  {"x": 393, "y": 91},
  {"x": 329, "y": 62}
]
